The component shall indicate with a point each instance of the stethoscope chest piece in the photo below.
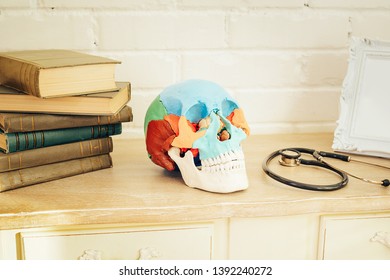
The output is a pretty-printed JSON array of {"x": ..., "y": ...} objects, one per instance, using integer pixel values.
[{"x": 289, "y": 157}]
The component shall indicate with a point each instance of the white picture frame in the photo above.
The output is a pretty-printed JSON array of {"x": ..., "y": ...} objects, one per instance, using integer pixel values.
[{"x": 364, "y": 122}]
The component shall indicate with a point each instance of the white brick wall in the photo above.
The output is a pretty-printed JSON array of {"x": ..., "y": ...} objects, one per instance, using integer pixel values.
[{"x": 283, "y": 60}]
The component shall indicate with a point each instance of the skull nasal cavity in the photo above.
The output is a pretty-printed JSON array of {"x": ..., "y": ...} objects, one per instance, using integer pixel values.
[
  {"x": 223, "y": 135},
  {"x": 196, "y": 113}
]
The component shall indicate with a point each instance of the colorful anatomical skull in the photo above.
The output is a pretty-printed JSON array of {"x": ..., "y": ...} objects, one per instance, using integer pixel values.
[{"x": 198, "y": 127}]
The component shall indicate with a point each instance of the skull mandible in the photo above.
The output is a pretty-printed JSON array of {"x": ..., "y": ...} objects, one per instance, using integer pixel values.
[{"x": 198, "y": 127}]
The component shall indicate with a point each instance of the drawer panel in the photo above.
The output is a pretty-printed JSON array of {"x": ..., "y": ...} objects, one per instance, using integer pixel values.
[
  {"x": 140, "y": 243},
  {"x": 355, "y": 237},
  {"x": 288, "y": 237}
]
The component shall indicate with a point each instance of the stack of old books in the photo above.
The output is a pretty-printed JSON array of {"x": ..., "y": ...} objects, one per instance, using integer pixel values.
[{"x": 58, "y": 112}]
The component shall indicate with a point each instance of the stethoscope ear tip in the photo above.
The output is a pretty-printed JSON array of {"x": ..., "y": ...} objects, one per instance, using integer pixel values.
[{"x": 386, "y": 183}]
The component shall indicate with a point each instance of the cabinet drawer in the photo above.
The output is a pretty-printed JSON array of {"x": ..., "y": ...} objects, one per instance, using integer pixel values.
[
  {"x": 355, "y": 237},
  {"x": 192, "y": 242}
]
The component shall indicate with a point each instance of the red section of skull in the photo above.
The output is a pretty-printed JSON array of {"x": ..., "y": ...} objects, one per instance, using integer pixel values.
[{"x": 159, "y": 137}]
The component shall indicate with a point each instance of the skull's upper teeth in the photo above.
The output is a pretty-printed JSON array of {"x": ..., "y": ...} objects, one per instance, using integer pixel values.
[{"x": 225, "y": 162}]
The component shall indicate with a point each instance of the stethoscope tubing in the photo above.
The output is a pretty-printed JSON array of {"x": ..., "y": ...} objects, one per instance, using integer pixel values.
[{"x": 301, "y": 185}]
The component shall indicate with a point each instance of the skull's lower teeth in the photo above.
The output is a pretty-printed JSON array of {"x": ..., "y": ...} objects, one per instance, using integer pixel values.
[{"x": 225, "y": 162}]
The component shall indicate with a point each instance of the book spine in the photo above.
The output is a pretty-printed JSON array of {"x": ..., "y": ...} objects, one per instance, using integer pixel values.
[
  {"x": 19, "y": 75},
  {"x": 21, "y": 141},
  {"x": 37, "y": 157},
  {"x": 35, "y": 122},
  {"x": 34, "y": 175}
]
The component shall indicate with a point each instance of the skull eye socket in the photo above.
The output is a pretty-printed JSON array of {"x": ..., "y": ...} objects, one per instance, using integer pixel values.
[
  {"x": 196, "y": 113},
  {"x": 228, "y": 106}
]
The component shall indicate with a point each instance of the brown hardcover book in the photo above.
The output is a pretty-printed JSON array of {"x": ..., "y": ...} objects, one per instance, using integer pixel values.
[
  {"x": 107, "y": 103},
  {"x": 53, "y": 73},
  {"x": 48, "y": 155},
  {"x": 20, "y": 122},
  {"x": 25, "y": 177}
]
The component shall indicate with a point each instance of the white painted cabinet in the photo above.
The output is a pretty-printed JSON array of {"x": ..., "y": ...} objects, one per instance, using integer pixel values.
[{"x": 300, "y": 237}]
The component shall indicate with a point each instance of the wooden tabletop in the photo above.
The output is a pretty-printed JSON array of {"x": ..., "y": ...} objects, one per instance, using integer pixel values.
[{"x": 137, "y": 191}]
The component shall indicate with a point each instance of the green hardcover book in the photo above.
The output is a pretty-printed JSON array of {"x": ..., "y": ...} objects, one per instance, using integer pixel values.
[{"x": 20, "y": 141}]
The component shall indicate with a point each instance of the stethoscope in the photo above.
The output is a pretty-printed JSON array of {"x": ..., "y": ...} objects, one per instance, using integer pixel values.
[{"x": 292, "y": 157}]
